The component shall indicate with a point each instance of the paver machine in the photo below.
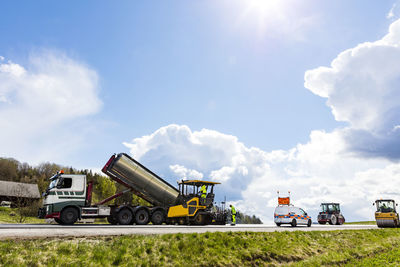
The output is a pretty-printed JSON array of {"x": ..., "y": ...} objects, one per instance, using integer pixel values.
[
  {"x": 330, "y": 213},
  {"x": 386, "y": 215}
]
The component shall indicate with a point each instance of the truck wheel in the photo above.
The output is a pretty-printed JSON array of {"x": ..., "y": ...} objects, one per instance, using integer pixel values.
[
  {"x": 333, "y": 220},
  {"x": 157, "y": 217},
  {"x": 111, "y": 220},
  {"x": 142, "y": 217},
  {"x": 124, "y": 216},
  {"x": 309, "y": 223},
  {"x": 69, "y": 216},
  {"x": 294, "y": 223}
]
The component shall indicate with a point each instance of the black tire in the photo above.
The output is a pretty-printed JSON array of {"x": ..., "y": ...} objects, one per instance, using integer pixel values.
[
  {"x": 124, "y": 217},
  {"x": 142, "y": 217},
  {"x": 200, "y": 219},
  {"x": 157, "y": 217},
  {"x": 333, "y": 220},
  {"x": 112, "y": 220},
  {"x": 309, "y": 223},
  {"x": 294, "y": 223},
  {"x": 340, "y": 221},
  {"x": 278, "y": 224},
  {"x": 58, "y": 221},
  {"x": 69, "y": 216}
]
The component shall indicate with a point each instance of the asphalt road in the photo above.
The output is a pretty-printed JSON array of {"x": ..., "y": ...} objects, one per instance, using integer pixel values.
[{"x": 24, "y": 231}]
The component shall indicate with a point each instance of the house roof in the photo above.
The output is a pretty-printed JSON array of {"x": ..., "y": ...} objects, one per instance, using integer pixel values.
[{"x": 13, "y": 189}]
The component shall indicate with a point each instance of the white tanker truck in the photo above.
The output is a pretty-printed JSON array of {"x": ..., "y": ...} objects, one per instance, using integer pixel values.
[{"x": 69, "y": 198}]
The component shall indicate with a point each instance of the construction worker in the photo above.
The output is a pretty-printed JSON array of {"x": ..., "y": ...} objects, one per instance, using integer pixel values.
[
  {"x": 203, "y": 191},
  {"x": 233, "y": 214}
]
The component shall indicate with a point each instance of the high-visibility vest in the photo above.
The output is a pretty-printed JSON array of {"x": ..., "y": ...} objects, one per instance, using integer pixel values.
[
  {"x": 233, "y": 211},
  {"x": 203, "y": 191}
]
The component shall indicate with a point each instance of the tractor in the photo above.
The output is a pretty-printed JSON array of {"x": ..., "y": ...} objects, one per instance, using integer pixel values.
[{"x": 330, "y": 212}]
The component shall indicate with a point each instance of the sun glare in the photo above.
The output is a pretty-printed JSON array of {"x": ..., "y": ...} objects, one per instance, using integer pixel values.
[{"x": 264, "y": 15}]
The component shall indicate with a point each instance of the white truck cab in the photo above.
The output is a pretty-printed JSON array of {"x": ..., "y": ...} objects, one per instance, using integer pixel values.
[{"x": 286, "y": 213}]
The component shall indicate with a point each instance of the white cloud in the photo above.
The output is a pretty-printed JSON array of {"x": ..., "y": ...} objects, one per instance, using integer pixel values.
[
  {"x": 391, "y": 13},
  {"x": 185, "y": 173},
  {"x": 362, "y": 87},
  {"x": 41, "y": 102}
]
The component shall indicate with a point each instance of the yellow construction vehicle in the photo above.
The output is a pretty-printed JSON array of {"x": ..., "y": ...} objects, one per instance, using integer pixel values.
[
  {"x": 386, "y": 215},
  {"x": 194, "y": 209}
]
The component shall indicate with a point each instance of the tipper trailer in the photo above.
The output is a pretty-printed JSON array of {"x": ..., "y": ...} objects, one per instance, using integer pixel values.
[{"x": 69, "y": 198}]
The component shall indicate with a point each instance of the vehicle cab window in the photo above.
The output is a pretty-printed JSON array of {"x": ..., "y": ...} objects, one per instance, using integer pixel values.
[{"x": 65, "y": 183}]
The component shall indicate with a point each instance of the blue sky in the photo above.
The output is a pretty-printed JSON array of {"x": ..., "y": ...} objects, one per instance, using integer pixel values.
[{"x": 233, "y": 67}]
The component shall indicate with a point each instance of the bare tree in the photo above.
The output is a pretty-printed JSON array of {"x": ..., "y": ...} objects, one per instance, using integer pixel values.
[{"x": 21, "y": 201}]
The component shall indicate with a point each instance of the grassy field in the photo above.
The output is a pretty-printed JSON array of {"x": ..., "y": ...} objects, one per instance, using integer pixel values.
[
  {"x": 8, "y": 215},
  {"x": 363, "y": 222},
  {"x": 352, "y": 248}
]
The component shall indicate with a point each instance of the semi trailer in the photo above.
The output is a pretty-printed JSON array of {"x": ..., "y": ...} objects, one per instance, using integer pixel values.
[{"x": 69, "y": 198}]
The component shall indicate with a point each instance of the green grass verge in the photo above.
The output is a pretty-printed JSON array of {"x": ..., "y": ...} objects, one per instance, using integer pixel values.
[
  {"x": 363, "y": 222},
  {"x": 8, "y": 215},
  {"x": 353, "y": 248}
]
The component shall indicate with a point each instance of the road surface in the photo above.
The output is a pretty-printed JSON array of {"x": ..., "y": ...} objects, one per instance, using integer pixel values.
[{"x": 23, "y": 231}]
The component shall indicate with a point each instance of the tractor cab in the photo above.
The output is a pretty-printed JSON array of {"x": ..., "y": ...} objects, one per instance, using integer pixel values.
[
  {"x": 330, "y": 208},
  {"x": 330, "y": 213},
  {"x": 191, "y": 188}
]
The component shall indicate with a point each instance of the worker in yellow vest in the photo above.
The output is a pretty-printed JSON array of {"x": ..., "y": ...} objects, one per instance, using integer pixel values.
[
  {"x": 233, "y": 214},
  {"x": 203, "y": 191}
]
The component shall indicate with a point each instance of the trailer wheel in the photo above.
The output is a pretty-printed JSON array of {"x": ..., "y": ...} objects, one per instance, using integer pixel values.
[
  {"x": 294, "y": 223},
  {"x": 124, "y": 216},
  {"x": 142, "y": 217},
  {"x": 69, "y": 216},
  {"x": 157, "y": 217},
  {"x": 333, "y": 220}
]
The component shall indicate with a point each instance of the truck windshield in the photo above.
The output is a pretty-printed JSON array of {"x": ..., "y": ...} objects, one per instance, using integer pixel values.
[{"x": 385, "y": 206}]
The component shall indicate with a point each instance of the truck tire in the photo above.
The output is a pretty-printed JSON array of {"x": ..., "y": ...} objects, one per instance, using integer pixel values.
[
  {"x": 142, "y": 217},
  {"x": 294, "y": 223},
  {"x": 309, "y": 223},
  {"x": 157, "y": 217},
  {"x": 124, "y": 217},
  {"x": 111, "y": 220},
  {"x": 333, "y": 220},
  {"x": 69, "y": 216}
]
